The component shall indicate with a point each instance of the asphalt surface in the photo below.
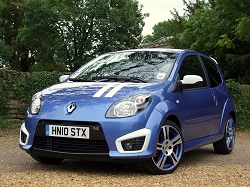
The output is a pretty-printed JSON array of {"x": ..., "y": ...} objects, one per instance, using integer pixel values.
[{"x": 201, "y": 167}]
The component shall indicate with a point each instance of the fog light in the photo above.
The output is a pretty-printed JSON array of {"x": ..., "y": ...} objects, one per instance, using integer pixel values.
[
  {"x": 128, "y": 146},
  {"x": 133, "y": 144}
]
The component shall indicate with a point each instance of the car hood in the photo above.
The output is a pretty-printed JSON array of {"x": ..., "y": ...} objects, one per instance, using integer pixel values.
[
  {"x": 91, "y": 98},
  {"x": 88, "y": 90}
]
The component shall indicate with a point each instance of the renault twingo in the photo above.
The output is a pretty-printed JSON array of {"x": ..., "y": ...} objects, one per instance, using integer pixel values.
[{"x": 143, "y": 105}]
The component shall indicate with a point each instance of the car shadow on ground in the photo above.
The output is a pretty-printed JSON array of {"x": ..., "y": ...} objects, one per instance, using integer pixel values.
[{"x": 194, "y": 157}]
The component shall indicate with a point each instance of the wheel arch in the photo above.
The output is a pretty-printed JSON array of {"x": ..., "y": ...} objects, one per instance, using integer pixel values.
[
  {"x": 228, "y": 109},
  {"x": 174, "y": 119},
  {"x": 169, "y": 111},
  {"x": 233, "y": 114},
  {"x": 164, "y": 111},
  {"x": 170, "y": 141}
]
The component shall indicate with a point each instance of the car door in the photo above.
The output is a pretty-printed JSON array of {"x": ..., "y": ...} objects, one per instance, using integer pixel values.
[{"x": 198, "y": 104}]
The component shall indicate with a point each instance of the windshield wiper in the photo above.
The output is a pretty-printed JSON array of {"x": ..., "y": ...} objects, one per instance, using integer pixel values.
[
  {"x": 118, "y": 78},
  {"x": 136, "y": 79},
  {"x": 80, "y": 80}
]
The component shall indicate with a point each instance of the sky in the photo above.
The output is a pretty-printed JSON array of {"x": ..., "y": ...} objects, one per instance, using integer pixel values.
[{"x": 159, "y": 11}]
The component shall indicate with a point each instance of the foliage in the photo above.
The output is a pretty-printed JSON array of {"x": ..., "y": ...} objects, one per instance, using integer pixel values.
[
  {"x": 5, "y": 50},
  {"x": 5, "y": 121},
  {"x": 33, "y": 83},
  {"x": 4, "y": 98},
  {"x": 160, "y": 29},
  {"x": 69, "y": 33},
  {"x": 24, "y": 86},
  {"x": 166, "y": 29},
  {"x": 50, "y": 35},
  {"x": 241, "y": 98},
  {"x": 15, "y": 54}
]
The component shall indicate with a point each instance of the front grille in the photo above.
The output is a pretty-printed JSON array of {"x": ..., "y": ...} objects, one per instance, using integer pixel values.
[
  {"x": 70, "y": 145},
  {"x": 95, "y": 144}
]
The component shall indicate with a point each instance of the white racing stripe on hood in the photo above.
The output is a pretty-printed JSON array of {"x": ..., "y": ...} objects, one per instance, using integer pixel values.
[
  {"x": 104, "y": 89},
  {"x": 115, "y": 89},
  {"x": 112, "y": 92},
  {"x": 109, "y": 89}
]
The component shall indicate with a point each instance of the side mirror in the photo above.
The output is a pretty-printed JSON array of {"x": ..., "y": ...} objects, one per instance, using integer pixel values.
[
  {"x": 193, "y": 81},
  {"x": 189, "y": 81},
  {"x": 63, "y": 78}
]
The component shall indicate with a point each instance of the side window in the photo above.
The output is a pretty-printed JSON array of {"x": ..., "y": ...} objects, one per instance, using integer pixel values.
[
  {"x": 212, "y": 71},
  {"x": 191, "y": 66}
]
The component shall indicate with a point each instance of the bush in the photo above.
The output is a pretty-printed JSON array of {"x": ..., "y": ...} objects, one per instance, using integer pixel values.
[
  {"x": 22, "y": 86},
  {"x": 241, "y": 98},
  {"x": 33, "y": 83},
  {"x": 5, "y": 121}
]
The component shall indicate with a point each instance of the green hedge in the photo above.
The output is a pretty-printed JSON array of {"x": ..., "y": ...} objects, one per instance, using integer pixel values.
[
  {"x": 241, "y": 99},
  {"x": 19, "y": 86},
  {"x": 25, "y": 85}
]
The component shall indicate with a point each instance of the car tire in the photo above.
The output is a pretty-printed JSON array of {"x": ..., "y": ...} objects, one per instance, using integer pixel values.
[
  {"x": 226, "y": 144},
  {"x": 47, "y": 160},
  {"x": 169, "y": 150}
]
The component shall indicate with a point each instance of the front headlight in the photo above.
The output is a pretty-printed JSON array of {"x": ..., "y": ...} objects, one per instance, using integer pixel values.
[
  {"x": 36, "y": 103},
  {"x": 129, "y": 106}
]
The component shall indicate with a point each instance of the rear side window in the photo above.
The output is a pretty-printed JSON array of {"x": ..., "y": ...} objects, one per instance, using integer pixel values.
[{"x": 212, "y": 71}]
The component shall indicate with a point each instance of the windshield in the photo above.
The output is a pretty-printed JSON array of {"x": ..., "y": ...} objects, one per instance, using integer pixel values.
[{"x": 134, "y": 66}]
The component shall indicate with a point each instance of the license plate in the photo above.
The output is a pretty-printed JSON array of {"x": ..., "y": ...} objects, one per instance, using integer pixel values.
[{"x": 67, "y": 131}]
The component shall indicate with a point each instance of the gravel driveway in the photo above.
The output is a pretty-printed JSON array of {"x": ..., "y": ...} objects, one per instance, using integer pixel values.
[{"x": 201, "y": 167}]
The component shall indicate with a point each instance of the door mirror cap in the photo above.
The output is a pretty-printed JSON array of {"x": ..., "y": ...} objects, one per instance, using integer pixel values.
[
  {"x": 63, "y": 78},
  {"x": 188, "y": 82},
  {"x": 192, "y": 80}
]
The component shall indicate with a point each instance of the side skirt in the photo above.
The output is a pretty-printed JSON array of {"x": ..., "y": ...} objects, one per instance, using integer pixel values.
[{"x": 194, "y": 144}]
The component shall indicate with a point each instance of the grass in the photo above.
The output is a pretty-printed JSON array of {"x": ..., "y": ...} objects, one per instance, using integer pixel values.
[{"x": 9, "y": 126}]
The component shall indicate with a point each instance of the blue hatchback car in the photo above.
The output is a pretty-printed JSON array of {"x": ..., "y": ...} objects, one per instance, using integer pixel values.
[{"x": 142, "y": 105}]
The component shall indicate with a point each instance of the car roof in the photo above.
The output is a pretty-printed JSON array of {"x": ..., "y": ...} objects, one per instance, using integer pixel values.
[
  {"x": 170, "y": 50},
  {"x": 155, "y": 49}
]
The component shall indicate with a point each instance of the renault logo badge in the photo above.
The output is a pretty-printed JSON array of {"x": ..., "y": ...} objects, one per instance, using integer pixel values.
[{"x": 71, "y": 107}]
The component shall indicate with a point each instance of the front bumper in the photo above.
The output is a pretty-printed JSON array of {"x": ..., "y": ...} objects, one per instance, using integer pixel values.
[{"x": 133, "y": 145}]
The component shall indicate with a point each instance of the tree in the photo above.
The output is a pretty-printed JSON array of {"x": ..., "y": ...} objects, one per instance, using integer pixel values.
[
  {"x": 5, "y": 50},
  {"x": 235, "y": 38},
  {"x": 69, "y": 33},
  {"x": 16, "y": 54},
  {"x": 169, "y": 29},
  {"x": 218, "y": 28},
  {"x": 161, "y": 29}
]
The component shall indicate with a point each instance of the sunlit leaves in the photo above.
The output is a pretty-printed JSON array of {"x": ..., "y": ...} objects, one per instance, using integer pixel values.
[
  {"x": 225, "y": 41},
  {"x": 243, "y": 27}
]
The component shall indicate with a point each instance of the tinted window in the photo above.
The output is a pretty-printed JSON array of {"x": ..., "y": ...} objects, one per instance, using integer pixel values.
[
  {"x": 212, "y": 71},
  {"x": 191, "y": 66}
]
